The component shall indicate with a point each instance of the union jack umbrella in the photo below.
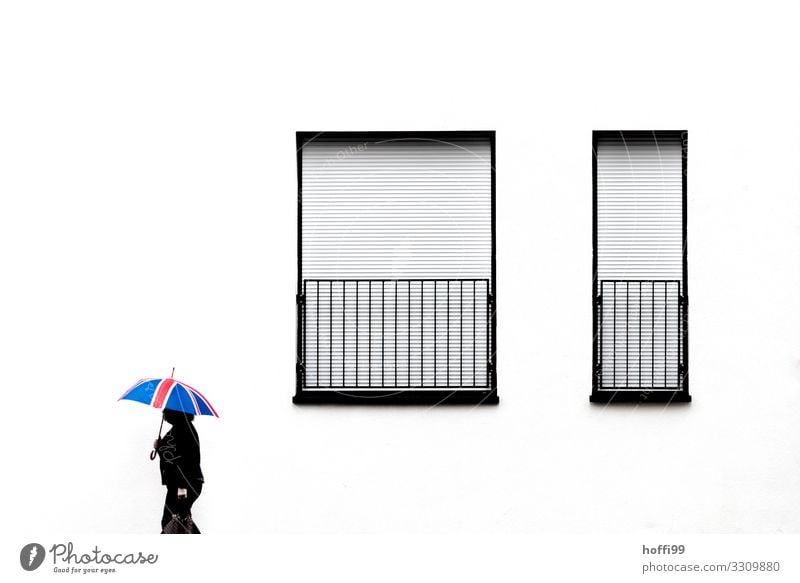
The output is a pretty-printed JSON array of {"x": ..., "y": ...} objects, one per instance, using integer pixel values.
[{"x": 169, "y": 394}]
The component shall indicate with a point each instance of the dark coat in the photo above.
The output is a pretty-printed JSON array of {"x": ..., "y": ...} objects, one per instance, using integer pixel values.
[{"x": 179, "y": 453}]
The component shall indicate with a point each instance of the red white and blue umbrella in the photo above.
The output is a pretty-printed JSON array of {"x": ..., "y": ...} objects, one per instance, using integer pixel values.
[{"x": 169, "y": 394}]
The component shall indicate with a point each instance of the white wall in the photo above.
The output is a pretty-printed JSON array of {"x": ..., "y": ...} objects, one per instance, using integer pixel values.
[{"x": 148, "y": 216}]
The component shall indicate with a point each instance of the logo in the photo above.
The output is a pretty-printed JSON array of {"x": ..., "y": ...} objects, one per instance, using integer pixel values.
[
  {"x": 72, "y": 561},
  {"x": 31, "y": 556}
]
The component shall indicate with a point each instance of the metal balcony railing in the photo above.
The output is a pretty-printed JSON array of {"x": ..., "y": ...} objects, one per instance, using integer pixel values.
[
  {"x": 640, "y": 343},
  {"x": 395, "y": 333}
]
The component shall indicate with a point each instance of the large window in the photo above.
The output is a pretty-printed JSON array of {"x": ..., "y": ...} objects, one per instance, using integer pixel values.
[
  {"x": 396, "y": 267},
  {"x": 640, "y": 266}
]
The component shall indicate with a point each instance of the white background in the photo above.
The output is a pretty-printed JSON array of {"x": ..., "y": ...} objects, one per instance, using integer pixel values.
[{"x": 147, "y": 220}]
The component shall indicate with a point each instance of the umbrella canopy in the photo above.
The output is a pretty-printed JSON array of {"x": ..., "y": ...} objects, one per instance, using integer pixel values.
[{"x": 169, "y": 394}]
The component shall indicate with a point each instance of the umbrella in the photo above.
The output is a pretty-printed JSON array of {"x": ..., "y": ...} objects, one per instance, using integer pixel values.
[{"x": 169, "y": 394}]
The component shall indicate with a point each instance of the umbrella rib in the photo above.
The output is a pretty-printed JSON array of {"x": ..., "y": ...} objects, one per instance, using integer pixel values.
[
  {"x": 194, "y": 402},
  {"x": 202, "y": 396},
  {"x": 206, "y": 401}
]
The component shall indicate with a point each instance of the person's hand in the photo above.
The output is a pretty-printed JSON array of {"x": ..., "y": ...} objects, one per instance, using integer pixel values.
[{"x": 155, "y": 444}]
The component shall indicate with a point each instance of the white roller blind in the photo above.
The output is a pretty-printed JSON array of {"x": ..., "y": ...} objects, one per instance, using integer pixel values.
[
  {"x": 396, "y": 209},
  {"x": 639, "y": 208}
]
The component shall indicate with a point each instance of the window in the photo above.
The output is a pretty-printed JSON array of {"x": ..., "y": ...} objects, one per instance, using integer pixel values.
[
  {"x": 396, "y": 267},
  {"x": 640, "y": 266}
]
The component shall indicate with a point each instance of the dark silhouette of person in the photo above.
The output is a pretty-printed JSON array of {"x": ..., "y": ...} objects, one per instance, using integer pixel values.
[{"x": 179, "y": 461}]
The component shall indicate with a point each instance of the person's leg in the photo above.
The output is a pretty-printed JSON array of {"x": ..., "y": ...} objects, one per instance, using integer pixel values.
[
  {"x": 193, "y": 494},
  {"x": 180, "y": 506},
  {"x": 170, "y": 506}
]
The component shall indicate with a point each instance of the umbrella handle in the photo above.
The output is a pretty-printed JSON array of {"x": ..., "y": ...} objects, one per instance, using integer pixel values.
[{"x": 154, "y": 453}]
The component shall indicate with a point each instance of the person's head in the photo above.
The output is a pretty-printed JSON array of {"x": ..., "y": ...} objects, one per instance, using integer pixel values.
[{"x": 177, "y": 418}]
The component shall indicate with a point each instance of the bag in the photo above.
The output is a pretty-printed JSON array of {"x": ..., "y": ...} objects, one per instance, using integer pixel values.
[{"x": 181, "y": 525}]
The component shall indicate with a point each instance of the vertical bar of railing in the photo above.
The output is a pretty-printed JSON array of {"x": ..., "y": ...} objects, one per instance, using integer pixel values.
[
  {"x": 474, "y": 349},
  {"x": 447, "y": 362},
  {"x": 602, "y": 317},
  {"x": 408, "y": 346},
  {"x": 395, "y": 333},
  {"x": 640, "y": 334},
  {"x": 461, "y": 333},
  {"x": 677, "y": 336},
  {"x": 344, "y": 335},
  {"x": 369, "y": 334},
  {"x": 614, "y": 351},
  {"x": 652, "y": 335},
  {"x": 421, "y": 333},
  {"x": 665, "y": 335},
  {"x": 680, "y": 339},
  {"x": 627, "y": 332},
  {"x": 488, "y": 304},
  {"x": 357, "y": 294},
  {"x": 305, "y": 330}
]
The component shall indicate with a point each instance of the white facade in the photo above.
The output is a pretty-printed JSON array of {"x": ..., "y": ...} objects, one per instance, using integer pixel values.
[{"x": 149, "y": 221}]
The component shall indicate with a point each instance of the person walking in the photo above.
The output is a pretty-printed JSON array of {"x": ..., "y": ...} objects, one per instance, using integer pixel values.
[{"x": 179, "y": 462}]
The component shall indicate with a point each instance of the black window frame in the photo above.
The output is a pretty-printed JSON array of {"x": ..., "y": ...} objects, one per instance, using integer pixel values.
[
  {"x": 641, "y": 396},
  {"x": 460, "y": 396}
]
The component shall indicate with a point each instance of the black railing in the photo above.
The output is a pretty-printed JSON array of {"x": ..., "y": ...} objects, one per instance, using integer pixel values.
[
  {"x": 640, "y": 344},
  {"x": 395, "y": 333}
]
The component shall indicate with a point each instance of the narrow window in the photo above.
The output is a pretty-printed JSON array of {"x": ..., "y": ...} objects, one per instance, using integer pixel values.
[
  {"x": 640, "y": 270},
  {"x": 396, "y": 268}
]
